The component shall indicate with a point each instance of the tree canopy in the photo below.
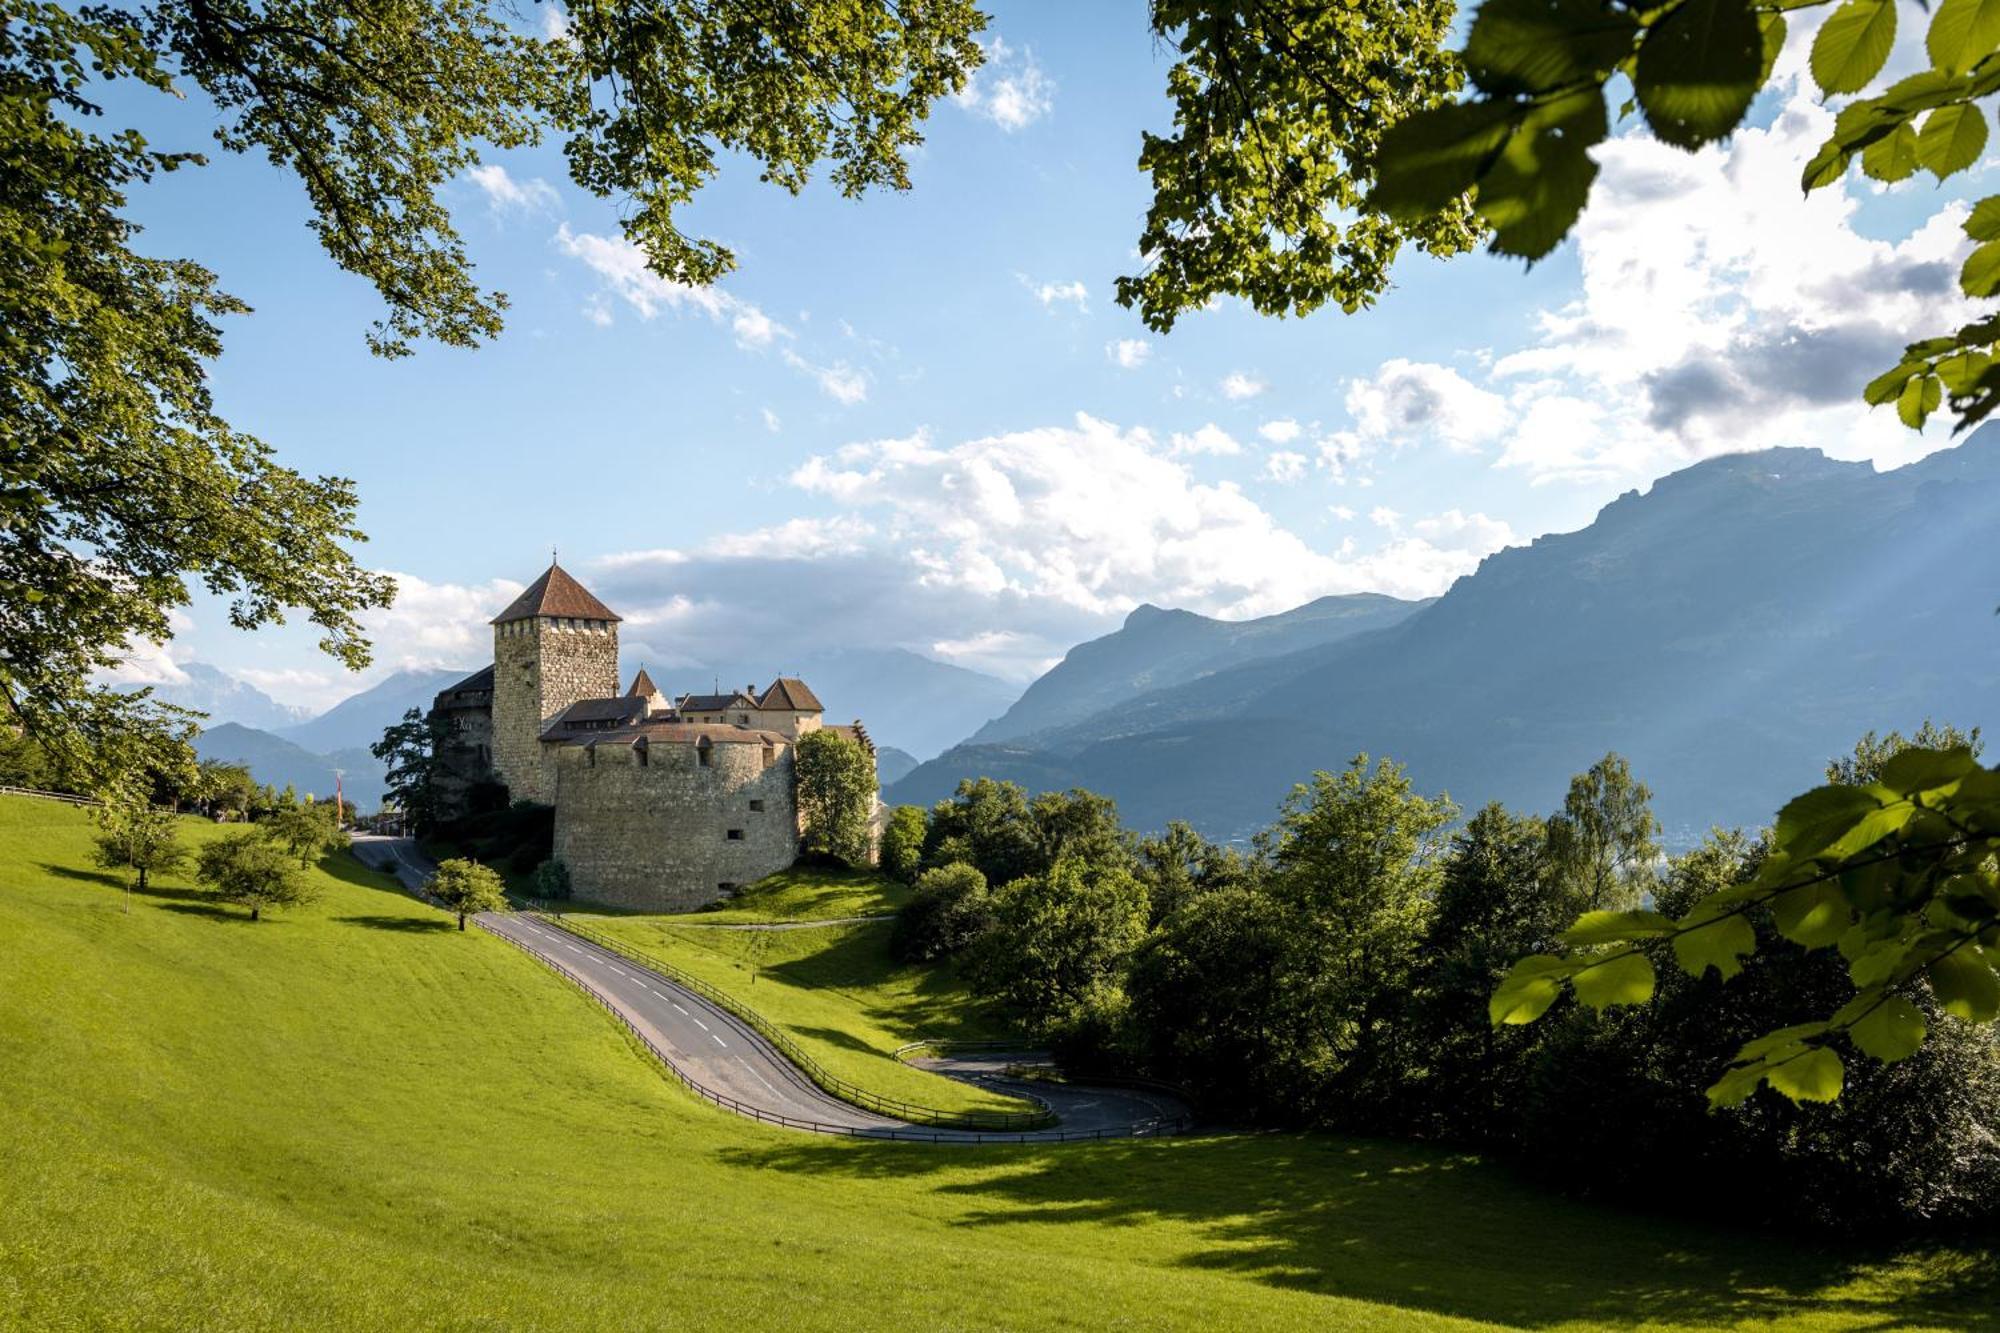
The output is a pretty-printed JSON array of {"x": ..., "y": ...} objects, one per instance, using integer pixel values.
[
  {"x": 467, "y": 888},
  {"x": 836, "y": 796}
]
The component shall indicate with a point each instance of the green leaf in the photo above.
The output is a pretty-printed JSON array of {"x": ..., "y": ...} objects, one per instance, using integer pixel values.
[
  {"x": 1965, "y": 985},
  {"x": 1617, "y": 927},
  {"x": 1429, "y": 159},
  {"x": 1528, "y": 989},
  {"x": 1532, "y": 46},
  {"x": 1888, "y": 386},
  {"x": 1536, "y": 186},
  {"x": 1893, "y": 158},
  {"x": 1627, "y": 979},
  {"x": 1911, "y": 771},
  {"x": 1878, "y": 962},
  {"x": 1962, "y": 371},
  {"x": 1698, "y": 70},
  {"x": 1722, "y": 943},
  {"x": 1814, "y": 821},
  {"x": 1815, "y": 1076},
  {"x": 1780, "y": 1042},
  {"x": 1815, "y": 915},
  {"x": 1735, "y": 1086},
  {"x": 1984, "y": 223},
  {"x": 1920, "y": 398},
  {"x": 1852, "y": 45},
  {"x": 1890, "y": 1031},
  {"x": 1952, "y": 139},
  {"x": 1962, "y": 33}
]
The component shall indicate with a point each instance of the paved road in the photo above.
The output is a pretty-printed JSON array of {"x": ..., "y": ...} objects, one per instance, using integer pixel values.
[{"x": 715, "y": 1049}]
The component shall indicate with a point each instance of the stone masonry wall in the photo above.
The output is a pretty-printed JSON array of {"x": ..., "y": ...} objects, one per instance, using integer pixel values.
[
  {"x": 655, "y": 835},
  {"x": 541, "y": 667}
]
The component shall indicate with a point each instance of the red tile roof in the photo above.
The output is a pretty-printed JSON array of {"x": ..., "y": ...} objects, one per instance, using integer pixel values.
[
  {"x": 555, "y": 593},
  {"x": 789, "y": 692},
  {"x": 642, "y": 686}
]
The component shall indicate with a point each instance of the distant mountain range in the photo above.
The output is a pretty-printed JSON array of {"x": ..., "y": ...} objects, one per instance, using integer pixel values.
[
  {"x": 359, "y": 720},
  {"x": 224, "y": 698},
  {"x": 1727, "y": 631},
  {"x": 280, "y": 763}
]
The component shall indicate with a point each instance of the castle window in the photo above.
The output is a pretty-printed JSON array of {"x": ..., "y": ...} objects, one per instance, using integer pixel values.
[
  {"x": 727, "y": 886},
  {"x": 770, "y": 755},
  {"x": 756, "y": 807},
  {"x": 735, "y": 835},
  {"x": 743, "y": 719},
  {"x": 705, "y": 755}
]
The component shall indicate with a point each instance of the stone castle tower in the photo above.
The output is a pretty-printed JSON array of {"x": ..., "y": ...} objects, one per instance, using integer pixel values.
[{"x": 556, "y": 644}]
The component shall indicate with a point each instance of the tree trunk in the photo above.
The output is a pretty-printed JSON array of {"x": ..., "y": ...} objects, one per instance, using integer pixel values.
[
  {"x": 461, "y": 921},
  {"x": 253, "y": 911},
  {"x": 142, "y": 879}
]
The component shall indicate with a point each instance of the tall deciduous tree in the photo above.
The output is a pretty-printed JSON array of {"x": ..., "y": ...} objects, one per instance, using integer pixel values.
[
  {"x": 305, "y": 831},
  {"x": 409, "y": 752},
  {"x": 1606, "y": 840},
  {"x": 249, "y": 869},
  {"x": 836, "y": 795},
  {"x": 466, "y": 888},
  {"x": 120, "y": 484}
]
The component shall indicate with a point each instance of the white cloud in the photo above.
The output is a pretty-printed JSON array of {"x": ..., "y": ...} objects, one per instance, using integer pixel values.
[
  {"x": 1407, "y": 401},
  {"x": 555, "y": 22},
  {"x": 839, "y": 381},
  {"x": 1128, "y": 353},
  {"x": 1282, "y": 431},
  {"x": 1285, "y": 466},
  {"x": 432, "y": 625},
  {"x": 1010, "y": 89},
  {"x": 772, "y": 422},
  {"x": 1384, "y": 517},
  {"x": 622, "y": 267},
  {"x": 1341, "y": 512},
  {"x": 1052, "y": 294},
  {"x": 1209, "y": 439},
  {"x": 507, "y": 195},
  {"x": 1237, "y": 385},
  {"x": 795, "y": 539},
  {"x": 1455, "y": 530}
]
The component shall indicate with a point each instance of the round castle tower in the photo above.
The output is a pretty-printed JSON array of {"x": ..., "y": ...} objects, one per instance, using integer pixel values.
[{"x": 556, "y": 644}]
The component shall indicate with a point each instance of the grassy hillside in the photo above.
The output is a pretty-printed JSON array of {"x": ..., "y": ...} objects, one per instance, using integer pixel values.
[
  {"x": 836, "y": 991},
  {"x": 352, "y": 1116}
]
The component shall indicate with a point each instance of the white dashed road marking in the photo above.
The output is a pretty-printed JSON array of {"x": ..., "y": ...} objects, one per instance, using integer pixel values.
[
  {"x": 697, "y": 1022},
  {"x": 718, "y": 1041},
  {"x": 572, "y": 948}
]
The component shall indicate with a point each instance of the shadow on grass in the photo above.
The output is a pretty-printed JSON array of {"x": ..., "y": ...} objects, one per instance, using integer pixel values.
[
  {"x": 409, "y": 925},
  {"x": 835, "y": 1037},
  {"x": 1425, "y": 1229},
  {"x": 208, "y": 907}
]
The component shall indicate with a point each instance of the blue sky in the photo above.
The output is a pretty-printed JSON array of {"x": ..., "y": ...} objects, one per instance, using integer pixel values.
[{"x": 921, "y": 419}]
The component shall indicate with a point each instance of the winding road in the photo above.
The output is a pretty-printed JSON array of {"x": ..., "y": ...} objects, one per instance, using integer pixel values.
[{"x": 726, "y": 1060}]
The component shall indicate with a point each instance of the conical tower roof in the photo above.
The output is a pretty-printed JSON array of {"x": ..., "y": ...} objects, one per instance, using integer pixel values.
[
  {"x": 642, "y": 686},
  {"x": 555, "y": 593}
]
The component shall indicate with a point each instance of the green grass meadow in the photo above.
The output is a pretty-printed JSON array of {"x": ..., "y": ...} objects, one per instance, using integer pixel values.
[{"x": 353, "y": 1116}]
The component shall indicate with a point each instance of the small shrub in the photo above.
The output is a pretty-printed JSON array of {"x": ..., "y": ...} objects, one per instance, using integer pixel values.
[
  {"x": 950, "y": 909},
  {"x": 551, "y": 880}
]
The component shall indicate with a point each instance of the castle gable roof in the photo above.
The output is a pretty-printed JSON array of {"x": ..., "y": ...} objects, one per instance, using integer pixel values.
[
  {"x": 791, "y": 694},
  {"x": 554, "y": 594},
  {"x": 594, "y": 715},
  {"x": 642, "y": 686},
  {"x": 481, "y": 679},
  {"x": 677, "y": 733},
  {"x": 715, "y": 703}
]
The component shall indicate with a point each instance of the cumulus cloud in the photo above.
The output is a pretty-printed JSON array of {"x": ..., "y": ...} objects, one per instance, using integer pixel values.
[
  {"x": 505, "y": 194},
  {"x": 1209, "y": 439},
  {"x": 1284, "y": 466},
  {"x": 1282, "y": 431},
  {"x": 621, "y": 266},
  {"x": 1010, "y": 89},
  {"x": 1455, "y": 530},
  {"x": 1128, "y": 353},
  {"x": 1052, "y": 294},
  {"x": 1238, "y": 385},
  {"x": 1404, "y": 402}
]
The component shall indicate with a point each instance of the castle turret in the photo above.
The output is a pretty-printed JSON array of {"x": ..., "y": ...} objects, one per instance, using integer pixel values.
[{"x": 555, "y": 645}]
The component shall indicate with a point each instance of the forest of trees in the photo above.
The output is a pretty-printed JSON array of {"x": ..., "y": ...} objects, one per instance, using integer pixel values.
[{"x": 1339, "y": 972}]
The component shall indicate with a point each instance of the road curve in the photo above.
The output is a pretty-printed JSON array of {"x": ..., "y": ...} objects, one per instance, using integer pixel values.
[{"x": 726, "y": 1060}]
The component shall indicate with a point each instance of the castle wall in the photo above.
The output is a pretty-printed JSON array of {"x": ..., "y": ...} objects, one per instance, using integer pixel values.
[
  {"x": 655, "y": 834},
  {"x": 465, "y": 756},
  {"x": 540, "y": 667}
]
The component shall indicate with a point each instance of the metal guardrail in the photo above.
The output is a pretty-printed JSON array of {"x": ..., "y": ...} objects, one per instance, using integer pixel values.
[
  {"x": 1155, "y": 1128},
  {"x": 831, "y": 1083}
]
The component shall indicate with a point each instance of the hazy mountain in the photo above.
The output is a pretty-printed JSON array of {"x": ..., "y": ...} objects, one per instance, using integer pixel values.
[
  {"x": 1727, "y": 631},
  {"x": 1156, "y": 649},
  {"x": 274, "y": 760},
  {"x": 892, "y": 765},
  {"x": 357, "y": 722},
  {"x": 224, "y": 698},
  {"x": 908, "y": 701}
]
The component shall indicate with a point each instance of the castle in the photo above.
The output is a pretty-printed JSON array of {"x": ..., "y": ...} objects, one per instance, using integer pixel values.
[{"x": 662, "y": 804}]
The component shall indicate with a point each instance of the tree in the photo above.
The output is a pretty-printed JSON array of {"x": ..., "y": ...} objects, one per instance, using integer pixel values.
[
  {"x": 120, "y": 484},
  {"x": 1279, "y": 107},
  {"x": 250, "y": 870},
  {"x": 1519, "y": 147},
  {"x": 1871, "y": 752},
  {"x": 836, "y": 795},
  {"x": 903, "y": 843},
  {"x": 948, "y": 913},
  {"x": 227, "y": 788},
  {"x": 1058, "y": 937},
  {"x": 1180, "y": 864},
  {"x": 133, "y": 835},
  {"x": 986, "y": 823},
  {"x": 1901, "y": 875},
  {"x": 306, "y": 831},
  {"x": 409, "y": 752},
  {"x": 1605, "y": 841},
  {"x": 551, "y": 881},
  {"x": 467, "y": 888},
  {"x": 1077, "y": 825}
]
